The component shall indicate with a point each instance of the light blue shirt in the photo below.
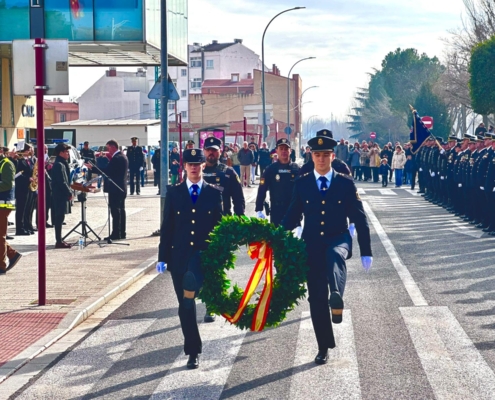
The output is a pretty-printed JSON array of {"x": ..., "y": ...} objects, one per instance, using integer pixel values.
[
  {"x": 189, "y": 185},
  {"x": 328, "y": 175}
]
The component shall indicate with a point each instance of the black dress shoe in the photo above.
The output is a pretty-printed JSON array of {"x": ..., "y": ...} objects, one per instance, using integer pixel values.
[
  {"x": 193, "y": 361},
  {"x": 480, "y": 225},
  {"x": 48, "y": 225},
  {"x": 492, "y": 233},
  {"x": 22, "y": 233},
  {"x": 9, "y": 237},
  {"x": 209, "y": 317},
  {"x": 337, "y": 305},
  {"x": 488, "y": 229},
  {"x": 112, "y": 237},
  {"x": 14, "y": 260},
  {"x": 322, "y": 357}
]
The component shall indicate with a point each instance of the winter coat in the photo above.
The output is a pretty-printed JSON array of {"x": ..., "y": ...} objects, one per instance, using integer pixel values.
[
  {"x": 399, "y": 160},
  {"x": 245, "y": 156},
  {"x": 375, "y": 159},
  {"x": 342, "y": 152},
  {"x": 365, "y": 158},
  {"x": 354, "y": 158}
]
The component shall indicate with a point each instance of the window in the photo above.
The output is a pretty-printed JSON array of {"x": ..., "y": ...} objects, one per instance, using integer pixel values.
[
  {"x": 63, "y": 118},
  {"x": 195, "y": 62},
  {"x": 183, "y": 93},
  {"x": 184, "y": 114},
  {"x": 209, "y": 64},
  {"x": 35, "y": 3},
  {"x": 234, "y": 77},
  {"x": 171, "y": 105},
  {"x": 196, "y": 83},
  {"x": 183, "y": 72}
]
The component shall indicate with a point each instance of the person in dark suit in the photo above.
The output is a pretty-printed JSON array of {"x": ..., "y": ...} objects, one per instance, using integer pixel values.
[
  {"x": 327, "y": 199},
  {"x": 156, "y": 161},
  {"x": 192, "y": 209},
  {"x": 117, "y": 191},
  {"x": 88, "y": 155},
  {"x": 135, "y": 156},
  {"x": 61, "y": 192},
  {"x": 24, "y": 174}
]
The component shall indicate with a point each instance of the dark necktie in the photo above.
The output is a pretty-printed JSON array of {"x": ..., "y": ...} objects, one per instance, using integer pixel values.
[
  {"x": 323, "y": 186},
  {"x": 194, "y": 193}
]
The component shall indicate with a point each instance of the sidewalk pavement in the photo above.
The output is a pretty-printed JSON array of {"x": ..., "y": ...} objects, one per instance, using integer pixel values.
[{"x": 78, "y": 282}]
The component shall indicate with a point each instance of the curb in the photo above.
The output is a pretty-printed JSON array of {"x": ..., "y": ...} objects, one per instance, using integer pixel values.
[{"x": 84, "y": 314}]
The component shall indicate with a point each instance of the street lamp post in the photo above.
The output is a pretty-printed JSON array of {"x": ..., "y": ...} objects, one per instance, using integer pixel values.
[
  {"x": 263, "y": 100},
  {"x": 288, "y": 94},
  {"x": 307, "y": 123}
]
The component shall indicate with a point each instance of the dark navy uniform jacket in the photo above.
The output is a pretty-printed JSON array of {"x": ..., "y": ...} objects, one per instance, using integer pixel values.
[
  {"x": 227, "y": 179},
  {"x": 135, "y": 156},
  {"x": 325, "y": 217},
  {"x": 186, "y": 226}
]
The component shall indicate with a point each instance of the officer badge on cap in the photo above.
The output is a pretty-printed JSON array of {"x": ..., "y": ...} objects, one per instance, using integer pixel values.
[
  {"x": 194, "y": 156},
  {"x": 193, "y": 152},
  {"x": 283, "y": 142},
  {"x": 213, "y": 143},
  {"x": 320, "y": 141},
  {"x": 218, "y": 179}
]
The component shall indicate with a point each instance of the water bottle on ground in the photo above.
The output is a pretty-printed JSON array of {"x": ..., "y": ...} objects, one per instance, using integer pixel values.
[{"x": 81, "y": 243}]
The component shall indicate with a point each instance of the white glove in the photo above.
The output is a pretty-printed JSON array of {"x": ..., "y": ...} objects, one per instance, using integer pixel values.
[
  {"x": 482, "y": 188},
  {"x": 140, "y": 168},
  {"x": 432, "y": 174},
  {"x": 442, "y": 178},
  {"x": 161, "y": 267},
  {"x": 493, "y": 189},
  {"x": 352, "y": 230},
  {"x": 298, "y": 232},
  {"x": 442, "y": 151},
  {"x": 460, "y": 185},
  {"x": 421, "y": 170},
  {"x": 260, "y": 214},
  {"x": 367, "y": 261},
  {"x": 154, "y": 170}
]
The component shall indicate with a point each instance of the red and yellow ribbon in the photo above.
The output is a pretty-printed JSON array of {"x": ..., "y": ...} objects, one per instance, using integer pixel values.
[{"x": 264, "y": 254}]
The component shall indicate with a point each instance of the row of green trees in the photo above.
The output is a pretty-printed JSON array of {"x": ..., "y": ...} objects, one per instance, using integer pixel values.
[{"x": 405, "y": 78}]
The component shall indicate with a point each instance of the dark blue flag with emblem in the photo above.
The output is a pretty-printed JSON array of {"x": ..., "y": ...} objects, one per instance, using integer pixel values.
[{"x": 419, "y": 132}]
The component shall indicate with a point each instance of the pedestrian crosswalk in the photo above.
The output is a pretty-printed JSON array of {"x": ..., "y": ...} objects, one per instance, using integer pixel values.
[{"x": 387, "y": 192}]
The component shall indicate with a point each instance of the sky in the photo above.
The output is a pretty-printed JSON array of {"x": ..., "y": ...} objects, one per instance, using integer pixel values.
[{"x": 349, "y": 38}]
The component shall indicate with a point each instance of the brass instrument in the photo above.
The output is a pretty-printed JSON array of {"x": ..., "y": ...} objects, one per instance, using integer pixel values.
[{"x": 33, "y": 186}]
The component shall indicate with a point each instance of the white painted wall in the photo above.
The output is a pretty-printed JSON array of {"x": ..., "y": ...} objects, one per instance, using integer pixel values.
[{"x": 100, "y": 135}]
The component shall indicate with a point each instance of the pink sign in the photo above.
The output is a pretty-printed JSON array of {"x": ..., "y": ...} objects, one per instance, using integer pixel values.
[{"x": 203, "y": 135}]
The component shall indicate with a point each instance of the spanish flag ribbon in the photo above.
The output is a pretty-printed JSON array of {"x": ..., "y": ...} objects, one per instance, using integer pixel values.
[{"x": 264, "y": 253}]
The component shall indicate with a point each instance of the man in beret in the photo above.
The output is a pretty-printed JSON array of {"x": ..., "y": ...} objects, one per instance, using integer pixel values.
[
  {"x": 192, "y": 209},
  {"x": 327, "y": 199}
]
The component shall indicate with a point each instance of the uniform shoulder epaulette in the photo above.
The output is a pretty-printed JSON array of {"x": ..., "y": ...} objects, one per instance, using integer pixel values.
[
  {"x": 307, "y": 173},
  {"x": 219, "y": 188},
  {"x": 345, "y": 176}
]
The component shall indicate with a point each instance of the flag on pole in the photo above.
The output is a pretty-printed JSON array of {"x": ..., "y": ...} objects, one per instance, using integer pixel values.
[{"x": 419, "y": 132}]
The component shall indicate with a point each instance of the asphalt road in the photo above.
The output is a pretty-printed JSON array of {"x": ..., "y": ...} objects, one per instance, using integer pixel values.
[{"x": 418, "y": 326}]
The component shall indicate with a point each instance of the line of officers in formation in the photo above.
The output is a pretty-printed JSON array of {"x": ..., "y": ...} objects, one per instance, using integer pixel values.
[{"x": 459, "y": 175}]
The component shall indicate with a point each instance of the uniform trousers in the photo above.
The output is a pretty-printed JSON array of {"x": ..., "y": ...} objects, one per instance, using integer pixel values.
[
  {"x": 326, "y": 271},
  {"x": 57, "y": 221},
  {"x": 5, "y": 250},
  {"x": 277, "y": 212},
  {"x": 116, "y": 202},
  {"x": 31, "y": 202},
  {"x": 20, "y": 205},
  {"x": 134, "y": 177},
  {"x": 187, "y": 314}
]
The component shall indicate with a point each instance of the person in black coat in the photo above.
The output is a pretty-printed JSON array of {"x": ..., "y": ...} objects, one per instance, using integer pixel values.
[
  {"x": 24, "y": 174},
  {"x": 88, "y": 155},
  {"x": 192, "y": 209},
  {"x": 61, "y": 192},
  {"x": 156, "y": 161},
  {"x": 117, "y": 190},
  {"x": 135, "y": 158},
  {"x": 327, "y": 199}
]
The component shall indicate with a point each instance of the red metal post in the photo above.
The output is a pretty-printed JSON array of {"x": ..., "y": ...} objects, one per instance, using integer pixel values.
[
  {"x": 39, "y": 54},
  {"x": 179, "y": 123},
  {"x": 245, "y": 128}
]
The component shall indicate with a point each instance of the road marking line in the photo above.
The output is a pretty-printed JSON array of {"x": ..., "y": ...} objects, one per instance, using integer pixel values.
[
  {"x": 75, "y": 375},
  {"x": 453, "y": 365},
  {"x": 413, "y": 192},
  {"x": 361, "y": 191},
  {"x": 387, "y": 192},
  {"x": 339, "y": 378},
  {"x": 404, "y": 274},
  {"x": 221, "y": 343}
]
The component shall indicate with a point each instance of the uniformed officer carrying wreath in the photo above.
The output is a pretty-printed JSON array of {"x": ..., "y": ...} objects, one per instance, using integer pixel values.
[
  {"x": 327, "y": 199},
  {"x": 279, "y": 179},
  {"x": 192, "y": 209}
]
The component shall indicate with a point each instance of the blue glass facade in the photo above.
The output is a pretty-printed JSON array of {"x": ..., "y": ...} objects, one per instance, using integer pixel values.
[{"x": 14, "y": 19}]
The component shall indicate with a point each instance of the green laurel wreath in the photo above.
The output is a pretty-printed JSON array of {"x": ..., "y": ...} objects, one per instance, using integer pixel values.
[{"x": 289, "y": 254}]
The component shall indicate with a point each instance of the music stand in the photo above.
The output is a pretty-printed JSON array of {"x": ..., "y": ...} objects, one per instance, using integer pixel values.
[
  {"x": 109, "y": 241},
  {"x": 85, "y": 228}
]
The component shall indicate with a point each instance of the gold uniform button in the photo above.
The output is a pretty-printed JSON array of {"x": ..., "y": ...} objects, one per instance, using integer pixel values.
[
  {"x": 192, "y": 233},
  {"x": 322, "y": 233},
  {"x": 323, "y": 202},
  {"x": 178, "y": 212},
  {"x": 193, "y": 210},
  {"x": 322, "y": 222},
  {"x": 192, "y": 244},
  {"x": 323, "y": 212},
  {"x": 209, "y": 212},
  {"x": 193, "y": 222},
  {"x": 307, "y": 201}
]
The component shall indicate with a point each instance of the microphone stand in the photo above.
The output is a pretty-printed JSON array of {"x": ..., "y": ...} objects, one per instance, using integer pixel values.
[{"x": 109, "y": 241}]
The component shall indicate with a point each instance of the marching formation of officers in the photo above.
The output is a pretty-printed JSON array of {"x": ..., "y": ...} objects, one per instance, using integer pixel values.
[
  {"x": 327, "y": 198},
  {"x": 459, "y": 175}
]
